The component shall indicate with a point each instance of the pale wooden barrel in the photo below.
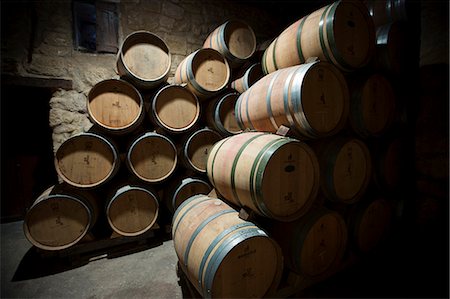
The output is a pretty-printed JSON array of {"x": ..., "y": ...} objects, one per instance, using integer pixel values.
[
  {"x": 59, "y": 218},
  {"x": 312, "y": 99},
  {"x": 144, "y": 59},
  {"x": 372, "y": 106},
  {"x": 341, "y": 33},
  {"x": 235, "y": 40},
  {"x": 314, "y": 245},
  {"x": 180, "y": 189},
  {"x": 252, "y": 74},
  {"x": 86, "y": 160},
  {"x": 116, "y": 106},
  {"x": 391, "y": 48},
  {"x": 220, "y": 114},
  {"x": 386, "y": 11},
  {"x": 152, "y": 157},
  {"x": 345, "y": 168},
  {"x": 369, "y": 224},
  {"x": 132, "y": 210},
  {"x": 175, "y": 109},
  {"x": 222, "y": 255},
  {"x": 275, "y": 176},
  {"x": 205, "y": 72},
  {"x": 196, "y": 148}
]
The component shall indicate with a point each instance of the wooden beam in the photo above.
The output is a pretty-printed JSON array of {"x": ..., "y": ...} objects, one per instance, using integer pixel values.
[{"x": 37, "y": 81}]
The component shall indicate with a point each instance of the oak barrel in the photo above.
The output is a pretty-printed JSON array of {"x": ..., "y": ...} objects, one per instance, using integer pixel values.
[
  {"x": 275, "y": 176},
  {"x": 196, "y": 147},
  {"x": 252, "y": 74},
  {"x": 116, "y": 106},
  {"x": 182, "y": 188},
  {"x": 386, "y": 11},
  {"x": 341, "y": 33},
  {"x": 205, "y": 71},
  {"x": 220, "y": 114},
  {"x": 132, "y": 210},
  {"x": 235, "y": 40},
  {"x": 345, "y": 168},
  {"x": 389, "y": 159},
  {"x": 372, "y": 106},
  {"x": 175, "y": 109},
  {"x": 86, "y": 160},
  {"x": 60, "y": 217},
  {"x": 313, "y": 245},
  {"x": 391, "y": 48},
  {"x": 222, "y": 255},
  {"x": 144, "y": 59},
  {"x": 311, "y": 98},
  {"x": 152, "y": 157}
]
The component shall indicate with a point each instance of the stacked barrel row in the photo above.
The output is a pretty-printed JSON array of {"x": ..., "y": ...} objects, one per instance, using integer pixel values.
[{"x": 324, "y": 192}]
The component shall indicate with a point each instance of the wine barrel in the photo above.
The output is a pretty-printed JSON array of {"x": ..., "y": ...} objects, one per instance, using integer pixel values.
[
  {"x": 386, "y": 11},
  {"x": 252, "y": 74},
  {"x": 341, "y": 33},
  {"x": 86, "y": 160},
  {"x": 275, "y": 176},
  {"x": 60, "y": 217},
  {"x": 144, "y": 59},
  {"x": 175, "y": 109},
  {"x": 345, "y": 168},
  {"x": 369, "y": 224},
  {"x": 152, "y": 157},
  {"x": 116, "y": 106},
  {"x": 312, "y": 99},
  {"x": 205, "y": 71},
  {"x": 389, "y": 163},
  {"x": 313, "y": 245},
  {"x": 372, "y": 106},
  {"x": 220, "y": 114},
  {"x": 180, "y": 189},
  {"x": 132, "y": 210},
  {"x": 196, "y": 148},
  {"x": 235, "y": 40},
  {"x": 222, "y": 255},
  {"x": 391, "y": 48}
]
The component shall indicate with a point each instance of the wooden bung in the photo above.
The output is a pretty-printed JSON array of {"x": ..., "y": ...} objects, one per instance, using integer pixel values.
[
  {"x": 86, "y": 160},
  {"x": 144, "y": 59},
  {"x": 341, "y": 33},
  {"x": 116, "y": 106},
  {"x": 222, "y": 255},
  {"x": 275, "y": 176},
  {"x": 312, "y": 99}
]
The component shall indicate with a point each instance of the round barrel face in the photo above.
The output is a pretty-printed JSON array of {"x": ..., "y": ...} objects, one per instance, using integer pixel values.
[
  {"x": 146, "y": 57},
  {"x": 132, "y": 212},
  {"x": 114, "y": 104},
  {"x": 290, "y": 179},
  {"x": 353, "y": 34},
  {"x": 227, "y": 114},
  {"x": 324, "y": 97},
  {"x": 247, "y": 271},
  {"x": 153, "y": 158},
  {"x": 176, "y": 108},
  {"x": 199, "y": 148},
  {"x": 374, "y": 225},
  {"x": 210, "y": 70},
  {"x": 240, "y": 39},
  {"x": 57, "y": 222},
  {"x": 190, "y": 188},
  {"x": 323, "y": 246},
  {"x": 377, "y": 104},
  {"x": 85, "y": 160},
  {"x": 351, "y": 170},
  {"x": 255, "y": 73}
]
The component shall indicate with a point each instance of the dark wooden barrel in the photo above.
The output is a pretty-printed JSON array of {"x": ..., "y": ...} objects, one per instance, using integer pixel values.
[
  {"x": 132, "y": 210},
  {"x": 86, "y": 160},
  {"x": 275, "y": 176},
  {"x": 144, "y": 59},
  {"x": 116, "y": 106},
  {"x": 341, "y": 33},
  {"x": 391, "y": 48},
  {"x": 60, "y": 217},
  {"x": 311, "y": 98},
  {"x": 222, "y": 255},
  {"x": 220, "y": 114},
  {"x": 387, "y": 11}
]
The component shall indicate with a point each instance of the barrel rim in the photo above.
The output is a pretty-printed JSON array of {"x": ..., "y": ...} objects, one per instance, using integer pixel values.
[
  {"x": 182, "y": 183},
  {"x": 188, "y": 142},
  {"x": 217, "y": 109},
  {"x": 224, "y": 31}
]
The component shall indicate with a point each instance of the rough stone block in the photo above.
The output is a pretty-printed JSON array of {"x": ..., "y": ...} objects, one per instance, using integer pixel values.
[
  {"x": 172, "y": 10},
  {"x": 69, "y": 100}
]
